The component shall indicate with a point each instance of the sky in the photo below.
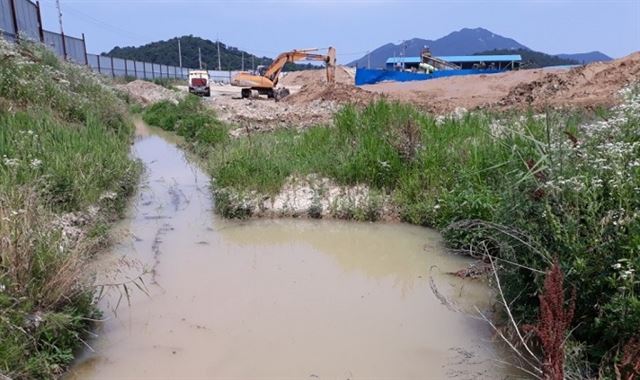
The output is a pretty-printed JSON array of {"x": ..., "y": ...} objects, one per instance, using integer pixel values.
[{"x": 268, "y": 27}]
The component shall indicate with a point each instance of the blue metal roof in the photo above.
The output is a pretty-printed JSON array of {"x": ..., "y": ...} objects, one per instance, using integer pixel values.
[
  {"x": 462, "y": 58},
  {"x": 404, "y": 59},
  {"x": 482, "y": 58}
]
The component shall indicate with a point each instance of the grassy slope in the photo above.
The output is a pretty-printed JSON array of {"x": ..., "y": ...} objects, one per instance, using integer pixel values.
[
  {"x": 64, "y": 146},
  {"x": 523, "y": 188}
]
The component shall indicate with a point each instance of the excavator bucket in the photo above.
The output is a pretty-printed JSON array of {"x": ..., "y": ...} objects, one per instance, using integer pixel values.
[{"x": 331, "y": 65}]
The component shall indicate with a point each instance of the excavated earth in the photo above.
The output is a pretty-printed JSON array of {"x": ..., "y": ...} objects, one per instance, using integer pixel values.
[
  {"x": 313, "y": 101},
  {"x": 338, "y": 93},
  {"x": 344, "y": 75},
  {"x": 587, "y": 86},
  {"x": 147, "y": 93}
]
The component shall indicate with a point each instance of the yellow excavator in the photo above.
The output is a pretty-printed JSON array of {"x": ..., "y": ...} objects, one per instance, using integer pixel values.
[{"x": 264, "y": 82}]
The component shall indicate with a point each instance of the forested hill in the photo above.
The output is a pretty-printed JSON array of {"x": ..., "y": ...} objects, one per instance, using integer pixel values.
[
  {"x": 533, "y": 59},
  {"x": 166, "y": 53}
]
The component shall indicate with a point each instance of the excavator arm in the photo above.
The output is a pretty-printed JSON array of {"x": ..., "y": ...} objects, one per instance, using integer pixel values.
[
  {"x": 266, "y": 83},
  {"x": 273, "y": 71}
]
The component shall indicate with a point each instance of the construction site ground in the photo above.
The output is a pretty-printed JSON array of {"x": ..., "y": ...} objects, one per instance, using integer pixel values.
[{"x": 313, "y": 101}]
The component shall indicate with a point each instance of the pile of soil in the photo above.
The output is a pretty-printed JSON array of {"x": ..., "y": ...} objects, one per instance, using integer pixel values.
[
  {"x": 262, "y": 115},
  {"x": 587, "y": 86},
  {"x": 592, "y": 85},
  {"x": 344, "y": 75},
  {"x": 147, "y": 93},
  {"x": 338, "y": 92},
  {"x": 444, "y": 95}
]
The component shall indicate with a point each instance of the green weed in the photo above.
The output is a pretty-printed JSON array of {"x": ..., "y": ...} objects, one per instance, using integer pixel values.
[{"x": 64, "y": 147}]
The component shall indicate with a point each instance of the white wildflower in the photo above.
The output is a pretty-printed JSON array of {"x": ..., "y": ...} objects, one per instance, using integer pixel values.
[
  {"x": 616, "y": 266},
  {"x": 109, "y": 195},
  {"x": 11, "y": 162},
  {"x": 35, "y": 163}
]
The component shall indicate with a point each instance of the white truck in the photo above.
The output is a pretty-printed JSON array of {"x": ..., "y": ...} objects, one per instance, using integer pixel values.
[{"x": 199, "y": 82}]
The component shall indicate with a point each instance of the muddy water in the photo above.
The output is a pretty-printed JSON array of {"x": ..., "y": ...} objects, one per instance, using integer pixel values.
[{"x": 276, "y": 299}]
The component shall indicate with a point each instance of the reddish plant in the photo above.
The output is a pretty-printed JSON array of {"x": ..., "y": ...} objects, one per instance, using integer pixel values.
[
  {"x": 539, "y": 174},
  {"x": 629, "y": 367},
  {"x": 572, "y": 138},
  {"x": 554, "y": 320}
]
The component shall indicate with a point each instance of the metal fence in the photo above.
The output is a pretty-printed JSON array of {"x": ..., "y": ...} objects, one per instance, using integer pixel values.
[{"x": 21, "y": 20}]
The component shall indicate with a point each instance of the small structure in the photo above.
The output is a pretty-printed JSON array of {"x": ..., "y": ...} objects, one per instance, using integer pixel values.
[{"x": 496, "y": 62}]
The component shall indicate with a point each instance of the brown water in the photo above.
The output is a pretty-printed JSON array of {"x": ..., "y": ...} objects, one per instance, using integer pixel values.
[{"x": 276, "y": 299}]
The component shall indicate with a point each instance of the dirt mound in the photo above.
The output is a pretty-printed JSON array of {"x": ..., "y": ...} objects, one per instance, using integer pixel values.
[
  {"x": 300, "y": 78},
  {"x": 147, "y": 93},
  {"x": 591, "y": 85},
  {"x": 337, "y": 92}
]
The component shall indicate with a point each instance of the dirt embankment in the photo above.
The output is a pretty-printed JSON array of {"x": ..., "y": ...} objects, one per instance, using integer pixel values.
[
  {"x": 263, "y": 115},
  {"x": 344, "y": 75},
  {"x": 147, "y": 93},
  {"x": 586, "y": 86},
  {"x": 338, "y": 92}
]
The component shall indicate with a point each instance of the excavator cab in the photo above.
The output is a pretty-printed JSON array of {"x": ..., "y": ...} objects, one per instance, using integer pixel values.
[{"x": 261, "y": 70}]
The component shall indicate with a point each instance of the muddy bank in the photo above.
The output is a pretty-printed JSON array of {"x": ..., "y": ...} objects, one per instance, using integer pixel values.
[
  {"x": 278, "y": 298},
  {"x": 309, "y": 197}
]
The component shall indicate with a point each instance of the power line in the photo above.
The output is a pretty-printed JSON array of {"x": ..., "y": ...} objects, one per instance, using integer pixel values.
[{"x": 113, "y": 28}]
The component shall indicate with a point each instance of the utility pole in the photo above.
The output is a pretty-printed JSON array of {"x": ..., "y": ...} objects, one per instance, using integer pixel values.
[
  {"x": 253, "y": 63},
  {"x": 59, "y": 16},
  {"x": 179, "y": 52},
  {"x": 404, "y": 53},
  {"x": 200, "y": 58},
  {"x": 64, "y": 43},
  {"x": 219, "y": 66},
  {"x": 243, "y": 61}
]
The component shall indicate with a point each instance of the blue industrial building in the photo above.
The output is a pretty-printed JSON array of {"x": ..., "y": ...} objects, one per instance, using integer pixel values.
[{"x": 498, "y": 62}]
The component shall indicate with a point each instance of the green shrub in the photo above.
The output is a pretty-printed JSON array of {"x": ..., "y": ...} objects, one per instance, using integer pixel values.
[{"x": 188, "y": 118}]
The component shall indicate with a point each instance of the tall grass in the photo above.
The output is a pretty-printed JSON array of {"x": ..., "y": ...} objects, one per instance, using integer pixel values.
[
  {"x": 429, "y": 166},
  {"x": 64, "y": 174},
  {"x": 188, "y": 118}
]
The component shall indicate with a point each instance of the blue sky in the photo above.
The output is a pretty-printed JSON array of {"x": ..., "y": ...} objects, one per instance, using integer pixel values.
[{"x": 265, "y": 27}]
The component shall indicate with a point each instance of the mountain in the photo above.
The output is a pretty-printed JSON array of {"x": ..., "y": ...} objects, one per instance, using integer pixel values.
[
  {"x": 589, "y": 57},
  {"x": 533, "y": 59},
  {"x": 463, "y": 42},
  {"x": 166, "y": 53}
]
